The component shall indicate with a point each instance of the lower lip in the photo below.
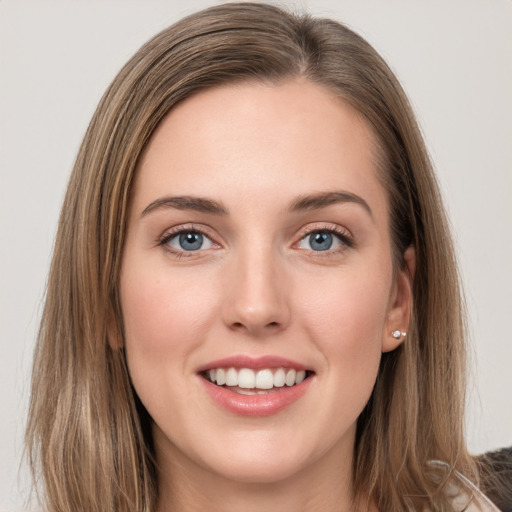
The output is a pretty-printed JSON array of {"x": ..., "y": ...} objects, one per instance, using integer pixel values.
[{"x": 255, "y": 405}]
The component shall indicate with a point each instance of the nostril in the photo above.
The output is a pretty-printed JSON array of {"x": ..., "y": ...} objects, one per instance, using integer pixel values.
[{"x": 240, "y": 325}]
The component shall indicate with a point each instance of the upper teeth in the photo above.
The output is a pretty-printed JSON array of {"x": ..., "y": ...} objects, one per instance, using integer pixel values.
[{"x": 261, "y": 379}]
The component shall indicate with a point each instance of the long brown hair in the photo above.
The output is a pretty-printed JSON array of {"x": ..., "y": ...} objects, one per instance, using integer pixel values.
[{"x": 88, "y": 437}]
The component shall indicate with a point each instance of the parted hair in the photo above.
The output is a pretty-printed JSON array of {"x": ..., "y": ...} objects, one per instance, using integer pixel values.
[{"x": 88, "y": 436}]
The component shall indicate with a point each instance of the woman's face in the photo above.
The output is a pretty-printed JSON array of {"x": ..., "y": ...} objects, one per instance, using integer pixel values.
[{"x": 258, "y": 248}]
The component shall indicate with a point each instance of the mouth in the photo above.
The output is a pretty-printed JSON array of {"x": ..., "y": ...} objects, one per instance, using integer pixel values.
[
  {"x": 255, "y": 386},
  {"x": 246, "y": 381}
]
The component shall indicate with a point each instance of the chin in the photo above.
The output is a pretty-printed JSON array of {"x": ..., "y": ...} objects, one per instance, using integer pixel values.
[
  {"x": 265, "y": 457},
  {"x": 258, "y": 470}
]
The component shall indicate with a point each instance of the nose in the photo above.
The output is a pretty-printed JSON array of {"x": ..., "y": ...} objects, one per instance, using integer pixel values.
[{"x": 256, "y": 294}]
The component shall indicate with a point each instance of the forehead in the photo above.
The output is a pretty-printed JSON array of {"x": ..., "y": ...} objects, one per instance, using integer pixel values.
[{"x": 277, "y": 141}]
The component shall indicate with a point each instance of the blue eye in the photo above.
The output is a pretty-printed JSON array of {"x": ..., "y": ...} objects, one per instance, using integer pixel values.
[
  {"x": 320, "y": 241},
  {"x": 324, "y": 240},
  {"x": 189, "y": 241}
]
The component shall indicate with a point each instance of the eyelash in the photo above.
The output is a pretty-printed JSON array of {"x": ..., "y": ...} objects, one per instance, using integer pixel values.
[
  {"x": 342, "y": 234},
  {"x": 189, "y": 228}
]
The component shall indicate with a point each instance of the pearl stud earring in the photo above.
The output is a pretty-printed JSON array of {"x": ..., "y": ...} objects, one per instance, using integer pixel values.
[{"x": 398, "y": 334}]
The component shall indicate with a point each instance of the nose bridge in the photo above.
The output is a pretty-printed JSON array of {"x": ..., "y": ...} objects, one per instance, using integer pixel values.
[{"x": 256, "y": 299}]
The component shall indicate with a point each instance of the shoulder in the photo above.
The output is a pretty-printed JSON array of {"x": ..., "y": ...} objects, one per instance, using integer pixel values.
[
  {"x": 496, "y": 469},
  {"x": 495, "y": 493},
  {"x": 469, "y": 498},
  {"x": 461, "y": 494}
]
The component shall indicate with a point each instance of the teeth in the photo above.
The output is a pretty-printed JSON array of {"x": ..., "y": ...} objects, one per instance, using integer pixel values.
[
  {"x": 301, "y": 375},
  {"x": 221, "y": 377},
  {"x": 232, "y": 377},
  {"x": 290, "y": 377},
  {"x": 279, "y": 378},
  {"x": 242, "y": 391},
  {"x": 265, "y": 379},
  {"x": 246, "y": 378}
]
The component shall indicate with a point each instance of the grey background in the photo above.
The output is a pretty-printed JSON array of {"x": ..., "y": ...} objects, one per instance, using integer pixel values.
[{"x": 454, "y": 58}]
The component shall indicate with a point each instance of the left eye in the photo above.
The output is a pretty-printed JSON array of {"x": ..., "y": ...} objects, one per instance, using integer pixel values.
[
  {"x": 321, "y": 241},
  {"x": 189, "y": 241}
]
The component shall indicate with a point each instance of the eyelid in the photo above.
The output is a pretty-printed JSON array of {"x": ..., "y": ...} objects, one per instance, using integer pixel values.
[
  {"x": 170, "y": 233},
  {"x": 341, "y": 232}
]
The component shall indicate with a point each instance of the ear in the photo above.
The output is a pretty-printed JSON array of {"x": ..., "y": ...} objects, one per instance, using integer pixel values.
[{"x": 400, "y": 304}]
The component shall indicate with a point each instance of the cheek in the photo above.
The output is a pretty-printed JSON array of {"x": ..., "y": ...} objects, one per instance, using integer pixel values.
[
  {"x": 345, "y": 307},
  {"x": 165, "y": 317},
  {"x": 345, "y": 316}
]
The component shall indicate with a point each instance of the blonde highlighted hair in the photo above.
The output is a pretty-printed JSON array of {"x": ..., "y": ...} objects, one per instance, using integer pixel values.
[{"x": 88, "y": 436}]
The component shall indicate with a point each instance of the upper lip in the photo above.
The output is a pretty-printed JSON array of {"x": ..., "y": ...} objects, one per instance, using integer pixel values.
[{"x": 254, "y": 363}]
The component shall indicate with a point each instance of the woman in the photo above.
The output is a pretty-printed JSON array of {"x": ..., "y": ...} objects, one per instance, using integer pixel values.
[{"x": 253, "y": 215}]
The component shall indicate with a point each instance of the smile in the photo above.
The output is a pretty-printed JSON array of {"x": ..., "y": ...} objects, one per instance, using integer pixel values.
[
  {"x": 246, "y": 381},
  {"x": 247, "y": 386}
]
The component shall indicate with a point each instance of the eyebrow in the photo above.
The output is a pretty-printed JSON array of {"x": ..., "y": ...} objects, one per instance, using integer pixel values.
[
  {"x": 198, "y": 204},
  {"x": 306, "y": 202},
  {"x": 324, "y": 199}
]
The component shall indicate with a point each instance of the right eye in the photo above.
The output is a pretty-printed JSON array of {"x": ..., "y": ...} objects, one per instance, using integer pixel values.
[{"x": 187, "y": 241}]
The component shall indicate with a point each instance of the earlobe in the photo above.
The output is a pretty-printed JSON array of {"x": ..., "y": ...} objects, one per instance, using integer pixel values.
[{"x": 400, "y": 309}]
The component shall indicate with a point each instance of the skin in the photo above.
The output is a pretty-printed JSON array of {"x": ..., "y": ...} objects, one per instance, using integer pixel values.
[{"x": 259, "y": 289}]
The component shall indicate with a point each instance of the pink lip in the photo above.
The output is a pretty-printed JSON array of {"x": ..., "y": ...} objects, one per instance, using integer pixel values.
[
  {"x": 254, "y": 363},
  {"x": 255, "y": 405}
]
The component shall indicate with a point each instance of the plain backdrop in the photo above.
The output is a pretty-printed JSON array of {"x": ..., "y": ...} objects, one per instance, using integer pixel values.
[{"x": 454, "y": 58}]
